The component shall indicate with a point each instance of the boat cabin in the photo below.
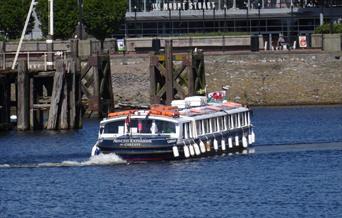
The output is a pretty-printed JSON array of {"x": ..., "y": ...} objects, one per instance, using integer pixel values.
[{"x": 190, "y": 124}]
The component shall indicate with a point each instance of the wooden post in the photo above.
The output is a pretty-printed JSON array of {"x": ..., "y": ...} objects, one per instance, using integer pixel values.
[
  {"x": 32, "y": 102},
  {"x": 153, "y": 82},
  {"x": 3, "y": 55},
  {"x": 106, "y": 89},
  {"x": 72, "y": 95},
  {"x": 169, "y": 71},
  {"x": 63, "y": 122},
  {"x": 96, "y": 94},
  {"x": 56, "y": 95},
  {"x": 5, "y": 102},
  {"x": 191, "y": 78},
  {"x": 39, "y": 112},
  {"x": 23, "y": 104},
  {"x": 78, "y": 95},
  {"x": 108, "y": 77}
]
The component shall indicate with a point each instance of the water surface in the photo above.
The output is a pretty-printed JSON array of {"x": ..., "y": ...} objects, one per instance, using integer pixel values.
[{"x": 294, "y": 172}]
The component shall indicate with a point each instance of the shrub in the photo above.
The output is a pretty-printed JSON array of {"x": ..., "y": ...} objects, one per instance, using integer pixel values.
[{"x": 325, "y": 28}]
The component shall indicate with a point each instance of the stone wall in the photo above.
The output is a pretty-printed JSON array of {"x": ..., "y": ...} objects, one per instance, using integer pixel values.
[{"x": 274, "y": 78}]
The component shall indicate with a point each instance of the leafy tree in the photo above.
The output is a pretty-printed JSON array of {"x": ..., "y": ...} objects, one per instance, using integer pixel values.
[
  {"x": 65, "y": 17},
  {"x": 103, "y": 17},
  {"x": 325, "y": 28},
  {"x": 13, "y": 14}
]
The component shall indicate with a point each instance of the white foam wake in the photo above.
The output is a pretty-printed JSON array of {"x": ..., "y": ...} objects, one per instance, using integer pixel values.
[{"x": 99, "y": 160}]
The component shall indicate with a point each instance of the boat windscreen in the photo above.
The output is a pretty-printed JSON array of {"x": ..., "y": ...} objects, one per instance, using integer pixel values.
[
  {"x": 141, "y": 126},
  {"x": 113, "y": 127}
]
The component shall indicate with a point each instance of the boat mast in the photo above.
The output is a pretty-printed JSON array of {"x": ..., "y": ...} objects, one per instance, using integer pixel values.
[{"x": 49, "y": 40}]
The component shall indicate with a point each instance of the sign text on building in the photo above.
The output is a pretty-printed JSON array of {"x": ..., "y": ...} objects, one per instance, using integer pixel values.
[{"x": 185, "y": 5}]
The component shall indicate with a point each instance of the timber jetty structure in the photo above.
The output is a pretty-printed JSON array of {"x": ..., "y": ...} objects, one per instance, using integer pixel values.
[
  {"x": 76, "y": 86},
  {"x": 56, "y": 98}
]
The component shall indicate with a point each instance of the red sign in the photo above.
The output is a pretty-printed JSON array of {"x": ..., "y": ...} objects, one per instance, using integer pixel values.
[{"x": 302, "y": 42}]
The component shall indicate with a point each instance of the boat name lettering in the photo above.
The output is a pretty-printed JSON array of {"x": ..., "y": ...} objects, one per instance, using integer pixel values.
[
  {"x": 132, "y": 144},
  {"x": 132, "y": 141}
]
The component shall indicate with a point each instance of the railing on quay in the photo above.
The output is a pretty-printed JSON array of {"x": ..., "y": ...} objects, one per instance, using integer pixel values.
[{"x": 35, "y": 59}]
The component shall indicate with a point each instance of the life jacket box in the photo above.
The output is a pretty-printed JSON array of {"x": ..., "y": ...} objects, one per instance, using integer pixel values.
[
  {"x": 196, "y": 101},
  {"x": 181, "y": 104}
]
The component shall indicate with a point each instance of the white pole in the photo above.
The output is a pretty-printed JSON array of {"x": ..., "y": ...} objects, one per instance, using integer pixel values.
[
  {"x": 23, "y": 34},
  {"x": 51, "y": 17}
]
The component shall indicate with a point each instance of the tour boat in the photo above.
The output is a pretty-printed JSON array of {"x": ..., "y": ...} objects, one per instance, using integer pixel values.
[{"x": 190, "y": 128}]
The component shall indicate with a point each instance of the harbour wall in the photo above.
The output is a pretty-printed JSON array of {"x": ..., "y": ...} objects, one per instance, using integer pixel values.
[{"x": 263, "y": 78}]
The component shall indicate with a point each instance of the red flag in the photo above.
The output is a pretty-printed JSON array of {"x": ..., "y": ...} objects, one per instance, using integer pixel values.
[{"x": 140, "y": 127}]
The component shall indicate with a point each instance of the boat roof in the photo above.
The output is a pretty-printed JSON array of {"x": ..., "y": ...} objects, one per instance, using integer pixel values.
[{"x": 188, "y": 114}]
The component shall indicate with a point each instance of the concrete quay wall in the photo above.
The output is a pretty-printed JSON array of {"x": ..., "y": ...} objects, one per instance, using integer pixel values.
[{"x": 264, "y": 78}]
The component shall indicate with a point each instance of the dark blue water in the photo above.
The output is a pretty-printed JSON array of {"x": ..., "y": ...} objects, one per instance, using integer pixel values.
[{"x": 296, "y": 171}]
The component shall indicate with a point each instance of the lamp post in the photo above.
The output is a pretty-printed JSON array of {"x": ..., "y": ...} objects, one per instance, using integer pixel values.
[
  {"x": 321, "y": 23},
  {"x": 203, "y": 19},
  {"x": 225, "y": 16},
  {"x": 170, "y": 21},
  {"x": 180, "y": 20},
  {"x": 290, "y": 36},
  {"x": 135, "y": 19},
  {"x": 214, "y": 17},
  {"x": 80, "y": 19},
  {"x": 331, "y": 17},
  {"x": 259, "y": 7},
  {"x": 247, "y": 13}
]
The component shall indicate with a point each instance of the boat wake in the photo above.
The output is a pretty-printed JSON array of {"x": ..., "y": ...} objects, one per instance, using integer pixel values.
[{"x": 99, "y": 160}]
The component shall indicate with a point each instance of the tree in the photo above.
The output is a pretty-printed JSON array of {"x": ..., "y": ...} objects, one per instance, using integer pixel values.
[
  {"x": 103, "y": 18},
  {"x": 65, "y": 17},
  {"x": 13, "y": 14},
  {"x": 326, "y": 28}
]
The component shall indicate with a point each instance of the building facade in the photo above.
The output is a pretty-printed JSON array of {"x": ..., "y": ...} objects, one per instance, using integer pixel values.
[{"x": 187, "y": 17}]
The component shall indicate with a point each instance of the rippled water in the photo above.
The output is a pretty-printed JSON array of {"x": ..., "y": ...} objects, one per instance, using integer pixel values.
[{"x": 296, "y": 171}]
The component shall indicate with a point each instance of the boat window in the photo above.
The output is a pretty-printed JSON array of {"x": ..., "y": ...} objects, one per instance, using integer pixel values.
[
  {"x": 206, "y": 126},
  {"x": 228, "y": 122},
  {"x": 220, "y": 123},
  {"x": 236, "y": 120},
  {"x": 186, "y": 130},
  {"x": 245, "y": 118},
  {"x": 199, "y": 127},
  {"x": 191, "y": 130},
  {"x": 165, "y": 126},
  {"x": 144, "y": 126},
  {"x": 213, "y": 124},
  {"x": 113, "y": 127},
  {"x": 140, "y": 125},
  {"x": 241, "y": 120},
  {"x": 101, "y": 129}
]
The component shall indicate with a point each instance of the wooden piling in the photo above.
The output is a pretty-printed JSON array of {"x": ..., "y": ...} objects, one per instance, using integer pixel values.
[
  {"x": 169, "y": 81},
  {"x": 23, "y": 100},
  {"x": 3, "y": 55},
  {"x": 63, "y": 122},
  {"x": 56, "y": 98},
  {"x": 169, "y": 72},
  {"x": 56, "y": 95},
  {"x": 32, "y": 101},
  {"x": 96, "y": 84},
  {"x": 5, "y": 102}
]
